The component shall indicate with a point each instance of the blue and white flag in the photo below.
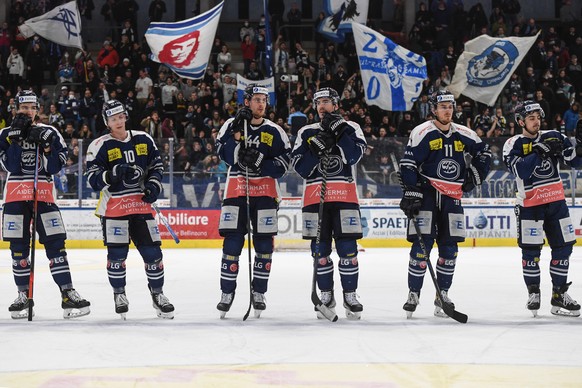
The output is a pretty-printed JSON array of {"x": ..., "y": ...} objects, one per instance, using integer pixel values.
[
  {"x": 392, "y": 75},
  {"x": 486, "y": 65},
  {"x": 61, "y": 25},
  {"x": 342, "y": 13},
  {"x": 268, "y": 42},
  {"x": 184, "y": 46},
  {"x": 242, "y": 83}
]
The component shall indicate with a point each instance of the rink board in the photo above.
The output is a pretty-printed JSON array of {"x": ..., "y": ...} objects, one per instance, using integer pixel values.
[{"x": 488, "y": 223}]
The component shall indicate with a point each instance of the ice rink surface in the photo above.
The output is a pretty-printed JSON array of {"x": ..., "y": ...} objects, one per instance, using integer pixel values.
[{"x": 502, "y": 345}]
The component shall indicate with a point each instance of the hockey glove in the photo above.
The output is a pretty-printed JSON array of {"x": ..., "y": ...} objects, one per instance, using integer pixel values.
[
  {"x": 19, "y": 127},
  {"x": 120, "y": 172},
  {"x": 43, "y": 136},
  {"x": 250, "y": 158},
  {"x": 411, "y": 201},
  {"x": 243, "y": 114},
  {"x": 321, "y": 143},
  {"x": 548, "y": 148},
  {"x": 472, "y": 179},
  {"x": 151, "y": 191},
  {"x": 333, "y": 123}
]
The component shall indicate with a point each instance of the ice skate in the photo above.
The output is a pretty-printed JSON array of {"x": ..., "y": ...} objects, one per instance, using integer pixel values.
[
  {"x": 73, "y": 304},
  {"x": 328, "y": 300},
  {"x": 533, "y": 301},
  {"x": 259, "y": 303},
  {"x": 563, "y": 304},
  {"x": 353, "y": 307},
  {"x": 121, "y": 304},
  {"x": 411, "y": 303},
  {"x": 161, "y": 303},
  {"x": 19, "y": 309},
  {"x": 225, "y": 302},
  {"x": 438, "y": 311}
]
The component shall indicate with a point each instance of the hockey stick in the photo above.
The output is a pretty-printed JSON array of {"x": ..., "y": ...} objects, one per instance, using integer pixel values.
[
  {"x": 248, "y": 228},
  {"x": 33, "y": 237},
  {"x": 322, "y": 308},
  {"x": 447, "y": 308},
  {"x": 166, "y": 223}
]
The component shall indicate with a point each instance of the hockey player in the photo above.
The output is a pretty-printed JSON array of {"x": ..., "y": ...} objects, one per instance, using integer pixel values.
[
  {"x": 18, "y": 156},
  {"x": 533, "y": 157},
  {"x": 126, "y": 167},
  {"x": 337, "y": 145},
  {"x": 264, "y": 156},
  {"x": 434, "y": 175}
]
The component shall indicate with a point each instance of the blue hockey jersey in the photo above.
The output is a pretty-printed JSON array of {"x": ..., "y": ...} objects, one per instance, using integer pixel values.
[
  {"x": 538, "y": 179},
  {"x": 341, "y": 171},
  {"x": 272, "y": 141},
  {"x": 123, "y": 198},
  {"x": 439, "y": 157}
]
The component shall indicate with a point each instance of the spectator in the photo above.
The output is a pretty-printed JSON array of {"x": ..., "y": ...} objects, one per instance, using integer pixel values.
[
  {"x": 153, "y": 125},
  {"x": 15, "y": 65},
  {"x": 247, "y": 30},
  {"x": 294, "y": 19},
  {"x": 143, "y": 86},
  {"x": 224, "y": 58},
  {"x": 157, "y": 10},
  {"x": 281, "y": 57},
  {"x": 107, "y": 56},
  {"x": 248, "y": 49},
  {"x": 571, "y": 117}
]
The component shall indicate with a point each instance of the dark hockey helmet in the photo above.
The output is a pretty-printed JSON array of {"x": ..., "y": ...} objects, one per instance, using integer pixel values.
[
  {"x": 25, "y": 96},
  {"x": 112, "y": 108},
  {"x": 441, "y": 96},
  {"x": 326, "y": 93},
  {"x": 526, "y": 108},
  {"x": 253, "y": 89}
]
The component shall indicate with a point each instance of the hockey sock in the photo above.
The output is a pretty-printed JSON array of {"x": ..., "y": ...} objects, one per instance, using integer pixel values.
[
  {"x": 531, "y": 268},
  {"x": 21, "y": 272},
  {"x": 416, "y": 271},
  {"x": 116, "y": 273},
  {"x": 228, "y": 273},
  {"x": 445, "y": 270},
  {"x": 60, "y": 271},
  {"x": 261, "y": 272},
  {"x": 325, "y": 273},
  {"x": 559, "y": 265},
  {"x": 349, "y": 270},
  {"x": 155, "y": 274}
]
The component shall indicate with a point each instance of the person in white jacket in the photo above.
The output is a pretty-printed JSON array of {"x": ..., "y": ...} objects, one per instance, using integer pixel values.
[{"x": 15, "y": 66}]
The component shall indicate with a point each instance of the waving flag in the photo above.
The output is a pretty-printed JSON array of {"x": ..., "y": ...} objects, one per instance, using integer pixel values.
[
  {"x": 485, "y": 66},
  {"x": 242, "y": 83},
  {"x": 342, "y": 13},
  {"x": 61, "y": 25},
  {"x": 184, "y": 46},
  {"x": 392, "y": 75}
]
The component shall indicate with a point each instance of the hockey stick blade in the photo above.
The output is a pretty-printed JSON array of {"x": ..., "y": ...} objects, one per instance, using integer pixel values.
[
  {"x": 456, "y": 315},
  {"x": 323, "y": 309}
]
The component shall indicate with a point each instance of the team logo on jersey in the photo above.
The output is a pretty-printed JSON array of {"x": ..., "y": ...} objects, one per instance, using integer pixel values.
[
  {"x": 113, "y": 154},
  {"x": 449, "y": 170},
  {"x": 436, "y": 144},
  {"x": 492, "y": 66},
  {"x": 141, "y": 149},
  {"x": 334, "y": 167},
  {"x": 267, "y": 139},
  {"x": 545, "y": 170}
]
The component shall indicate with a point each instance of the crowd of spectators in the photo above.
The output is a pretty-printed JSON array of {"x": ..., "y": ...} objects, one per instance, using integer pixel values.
[{"x": 191, "y": 112}]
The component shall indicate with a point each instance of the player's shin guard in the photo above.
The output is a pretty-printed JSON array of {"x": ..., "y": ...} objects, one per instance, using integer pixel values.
[
  {"x": 261, "y": 271},
  {"x": 61, "y": 273},
  {"x": 325, "y": 273},
  {"x": 445, "y": 267},
  {"x": 116, "y": 272},
  {"x": 154, "y": 266},
  {"x": 531, "y": 269},
  {"x": 20, "y": 264},
  {"x": 59, "y": 265},
  {"x": 228, "y": 273},
  {"x": 349, "y": 271},
  {"x": 560, "y": 264}
]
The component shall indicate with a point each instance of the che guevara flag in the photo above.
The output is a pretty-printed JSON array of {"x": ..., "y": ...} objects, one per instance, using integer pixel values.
[{"x": 185, "y": 46}]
